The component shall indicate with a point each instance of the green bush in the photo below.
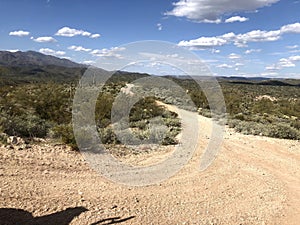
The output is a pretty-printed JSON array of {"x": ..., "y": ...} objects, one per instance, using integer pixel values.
[
  {"x": 278, "y": 130},
  {"x": 26, "y": 125},
  {"x": 65, "y": 133},
  {"x": 3, "y": 138},
  {"x": 284, "y": 131},
  {"x": 108, "y": 136},
  {"x": 296, "y": 124}
]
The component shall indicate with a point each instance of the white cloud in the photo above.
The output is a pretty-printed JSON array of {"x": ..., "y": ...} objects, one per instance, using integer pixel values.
[
  {"x": 284, "y": 63},
  {"x": 224, "y": 66},
  {"x": 291, "y": 28},
  {"x": 19, "y": 33},
  {"x": 159, "y": 26},
  {"x": 79, "y": 48},
  {"x": 269, "y": 74},
  {"x": 44, "y": 39},
  {"x": 228, "y": 36},
  {"x": 211, "y": 11},
  {"x": 66, "y": 57},
  {"x": 71, "y": 32},
  {"x": 241, "y": 40},
  {"x": 48, "y": 51},
  {"x": 257, "y": 36},
  {"x": 204, "y": 42},
  {"x": 112, "y": 52},
  {"x": 209, "y": 61},
  {"x": 272, "y": 67},
  {"x": 217, "y": 21},
  {"x": 234, "y": 56},
  {"x": 236, "y": 19},
  {"x": 249, "y": 51},
  {"x": 292, "y": 46},
  {"x": 95, "y": 36},
  {"x": 295, "y": 51},
  {"x": 295, "y": 58},
  {"x": 88, "y": 62},
  {"x": 215, "y": 51},
  {"x": 173, "y": 56},
  {"x": 12, "y": 50}
]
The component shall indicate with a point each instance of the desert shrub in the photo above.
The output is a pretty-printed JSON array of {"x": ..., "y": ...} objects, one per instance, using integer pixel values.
[
  {"x": 205, "y": 113},
  {"x": 146, "y": 108},
  {"x": 232, "y": 123},
  {"x": 277, "y": 130},
  {"x": 65, "y": 133},
  {"x": 284, "y": 131},
  {"x": 264, "y": 106},
  {"x": 30, "y": 110},
  {"x": 169, "y": 140},
  {"x": 199, "y": 98},
  {"x": 240, "y": 116},
  {"x": 108, "y": 136},
  {"x": 141, "y": 124},
  {"x": 52, "y": 102},
  {"x": 26, "y": 125},
  {"x": 3, "y": 138},
  {"x": 172, "y": 122},
  {"x": 248, "y": 128},
  {"x": 296, "y": 124},
  {"x": 141, "y": 134},
  {"x": 103, "y": 109}
]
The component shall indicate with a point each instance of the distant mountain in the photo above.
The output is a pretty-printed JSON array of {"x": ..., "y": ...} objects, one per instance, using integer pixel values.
[
  {"x": 23, "y": 67},
  {"x": 27, "y": 67},
  {"x": 32, "y": 58}
]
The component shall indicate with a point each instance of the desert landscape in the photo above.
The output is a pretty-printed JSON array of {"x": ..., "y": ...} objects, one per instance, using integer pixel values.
[{"x": 150, "y": 112}]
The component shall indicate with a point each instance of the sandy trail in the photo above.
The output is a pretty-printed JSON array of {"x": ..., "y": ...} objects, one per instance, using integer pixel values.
[{"x": 254, "y": 180}]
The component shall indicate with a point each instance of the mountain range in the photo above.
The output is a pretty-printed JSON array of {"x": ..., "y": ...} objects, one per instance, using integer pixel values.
[
  {"x": 31, "y": 66},
  {"x": 26, "y": 67},
  {"x": 32, "y": 58}
]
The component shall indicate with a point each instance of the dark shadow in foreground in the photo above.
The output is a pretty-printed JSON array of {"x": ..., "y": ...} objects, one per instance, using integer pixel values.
[
  {"x": 112, "y": 220},
  {"x": 10, "y": 216}
]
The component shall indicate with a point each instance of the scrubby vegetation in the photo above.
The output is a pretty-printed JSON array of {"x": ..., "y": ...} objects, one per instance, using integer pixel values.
[
  {"x": 266, "y": 108},
  {"x": 44, "y": 108}
]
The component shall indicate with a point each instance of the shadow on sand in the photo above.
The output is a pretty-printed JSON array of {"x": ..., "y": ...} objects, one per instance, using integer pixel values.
[{"x": 10, "y": 216}]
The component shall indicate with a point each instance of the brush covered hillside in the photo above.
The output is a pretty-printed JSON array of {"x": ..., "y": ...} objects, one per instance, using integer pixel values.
[
  {"x": 32, "y": 58},
  {"x": 30, "y": 66},
  {"x": 37, "y": 94}
]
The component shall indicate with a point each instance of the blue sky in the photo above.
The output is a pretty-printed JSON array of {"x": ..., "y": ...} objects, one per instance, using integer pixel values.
[{"x": 234, "y": 37}]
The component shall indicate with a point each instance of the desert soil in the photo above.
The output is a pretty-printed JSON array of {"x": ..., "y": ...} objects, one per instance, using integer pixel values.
[{"x": 253, "y": 180}]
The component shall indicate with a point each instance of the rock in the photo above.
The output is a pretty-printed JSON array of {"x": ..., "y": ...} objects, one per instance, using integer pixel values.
[{"x": 12, "y": 140}]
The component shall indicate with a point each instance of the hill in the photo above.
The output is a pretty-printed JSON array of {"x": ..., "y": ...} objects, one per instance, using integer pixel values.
[
  {"x": 27, "y": 67},
  {"x": 32, "y": 58}
]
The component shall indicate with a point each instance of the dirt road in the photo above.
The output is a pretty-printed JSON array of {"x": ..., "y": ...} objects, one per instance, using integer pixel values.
[{"x": 254, "y": 180}]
